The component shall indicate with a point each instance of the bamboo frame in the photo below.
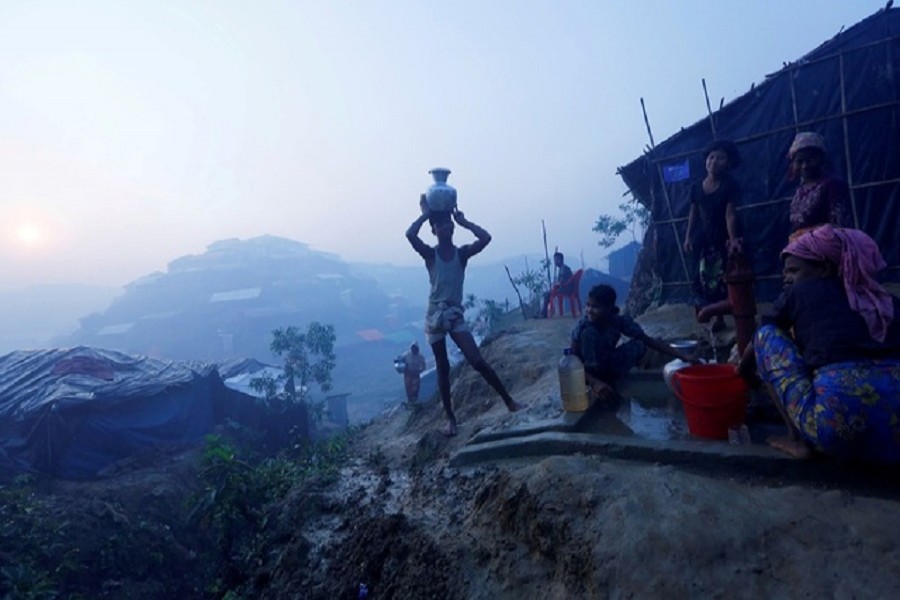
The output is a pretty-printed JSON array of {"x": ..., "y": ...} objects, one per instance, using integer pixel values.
[{"x": 844, "y": 115}]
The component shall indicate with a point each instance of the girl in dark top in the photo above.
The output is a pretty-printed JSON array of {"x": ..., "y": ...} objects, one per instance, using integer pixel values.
[
  {"x": 712, "y": 224},
  {"x": 821, "y": 197},
  {"x": 830, "y": 352}
]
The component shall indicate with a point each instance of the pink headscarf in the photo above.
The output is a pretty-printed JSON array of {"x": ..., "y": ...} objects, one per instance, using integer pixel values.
[{"x": 858, "y": 260}]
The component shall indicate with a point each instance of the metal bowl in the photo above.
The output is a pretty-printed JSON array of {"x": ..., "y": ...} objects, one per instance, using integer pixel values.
[{"x": 685, "y": 344}]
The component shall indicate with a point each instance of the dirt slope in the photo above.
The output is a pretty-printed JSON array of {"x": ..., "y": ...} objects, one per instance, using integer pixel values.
[{"x": 406, "y": 525}]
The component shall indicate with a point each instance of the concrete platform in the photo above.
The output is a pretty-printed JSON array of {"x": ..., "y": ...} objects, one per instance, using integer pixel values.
[{"x": 601, "y": 432}]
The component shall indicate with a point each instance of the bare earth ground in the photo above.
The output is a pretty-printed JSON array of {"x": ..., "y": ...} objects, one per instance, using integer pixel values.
[{"x": 407, "y": 525}]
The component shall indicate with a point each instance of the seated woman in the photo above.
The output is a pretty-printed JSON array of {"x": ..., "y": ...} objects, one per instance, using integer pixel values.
[{"x": 830, "y": 353}]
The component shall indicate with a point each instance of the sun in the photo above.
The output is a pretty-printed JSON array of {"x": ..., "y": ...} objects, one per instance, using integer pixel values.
[{"x": 28, "y": 235}]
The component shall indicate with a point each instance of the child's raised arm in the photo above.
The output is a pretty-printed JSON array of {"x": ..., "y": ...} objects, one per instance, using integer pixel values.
[
  {"x": 412, "y": 234},
  {"x": 482, "y": 237},
  {"x": 664, "y": 348}
]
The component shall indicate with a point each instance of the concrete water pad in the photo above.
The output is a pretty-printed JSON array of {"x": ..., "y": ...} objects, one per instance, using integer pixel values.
[{"x": 649, "y": 421}]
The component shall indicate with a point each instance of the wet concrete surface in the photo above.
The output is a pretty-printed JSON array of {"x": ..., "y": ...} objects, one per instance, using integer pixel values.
[
  {"x": 650, "y": 426},
  {"x": 648, "y": 412}
]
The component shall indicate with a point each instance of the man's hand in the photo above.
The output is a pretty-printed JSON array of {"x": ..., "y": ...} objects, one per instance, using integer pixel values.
[
  {"x": 602, "y": 391},
  {"x": 735, "y": 246},
  {"x": 460, "y": 218}
]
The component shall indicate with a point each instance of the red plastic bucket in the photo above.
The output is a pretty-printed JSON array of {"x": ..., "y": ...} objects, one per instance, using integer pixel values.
[{"x": 714, "y": 398}]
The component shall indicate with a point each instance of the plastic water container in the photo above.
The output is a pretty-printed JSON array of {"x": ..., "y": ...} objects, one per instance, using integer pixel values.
[{"x": 572, "y": 386}]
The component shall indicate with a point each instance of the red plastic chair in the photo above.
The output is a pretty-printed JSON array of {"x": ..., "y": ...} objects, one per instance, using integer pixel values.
[{"x": 557, "y": 296}]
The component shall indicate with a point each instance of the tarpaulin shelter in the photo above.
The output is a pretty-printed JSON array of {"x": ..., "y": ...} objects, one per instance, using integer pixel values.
[
  {"x": 848, "y": 90},
  {"x": 73, "y": 412}
]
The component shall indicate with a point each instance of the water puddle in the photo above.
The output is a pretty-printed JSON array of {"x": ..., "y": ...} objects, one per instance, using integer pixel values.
[
  {"x": 640, "y": 418},
  {"x": 651, "y": 411}
]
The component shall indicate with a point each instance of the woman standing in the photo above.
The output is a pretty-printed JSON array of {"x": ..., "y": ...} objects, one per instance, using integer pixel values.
[{"x": 821, "y": 197}]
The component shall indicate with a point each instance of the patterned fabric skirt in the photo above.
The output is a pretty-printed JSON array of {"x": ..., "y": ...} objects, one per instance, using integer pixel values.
[
  {"x": 848, "y": 409},
  {"x": 709, "y": 283}
]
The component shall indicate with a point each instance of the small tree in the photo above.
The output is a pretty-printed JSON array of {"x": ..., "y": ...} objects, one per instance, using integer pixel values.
[
  {"x": 536, "y": 284},
  {"x": 489, "y": 313},
  {"x": 308, "y": 359},
  {"x": 634, "y": 217}
]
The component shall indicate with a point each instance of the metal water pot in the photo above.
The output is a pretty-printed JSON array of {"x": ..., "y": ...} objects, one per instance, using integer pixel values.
[
  {"x": 440, "y": 196},
  {"x": 676, "y": 365}
]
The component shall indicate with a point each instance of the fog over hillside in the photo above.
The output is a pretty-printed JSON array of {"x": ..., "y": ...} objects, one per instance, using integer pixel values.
[
  {"x": 225, "y": 303},
  {"x": 36, "y": 316}
]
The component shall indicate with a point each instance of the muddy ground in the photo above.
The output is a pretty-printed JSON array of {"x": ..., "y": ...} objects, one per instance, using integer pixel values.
[{"x": 405, "y": 524}]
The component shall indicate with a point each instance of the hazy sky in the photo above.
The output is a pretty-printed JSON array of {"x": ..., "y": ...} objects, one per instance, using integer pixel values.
[{"x": 134, "y": 132}]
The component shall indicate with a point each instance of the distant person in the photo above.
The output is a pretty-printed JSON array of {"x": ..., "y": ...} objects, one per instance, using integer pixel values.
[
  {"x": 712, "y": 225},
  {"x": 563, "y": 283},
  {"x": 414, "y": 365},
  {"x": 446, "y": 265},
  {"x": 829, "y": 353},
  {"x": 595, "y": 340},
  {"x": 821, "y": 197}
]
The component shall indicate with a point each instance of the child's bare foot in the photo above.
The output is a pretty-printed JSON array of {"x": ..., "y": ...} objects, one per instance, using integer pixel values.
[
  {"x": 514, "y": 406},
  {"x": 449, "y": 429},
  {"x": 789, "y": 445}
]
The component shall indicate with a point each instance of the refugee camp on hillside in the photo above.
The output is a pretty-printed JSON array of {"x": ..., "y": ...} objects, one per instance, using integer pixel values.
[{"x": 848, "y": 91}]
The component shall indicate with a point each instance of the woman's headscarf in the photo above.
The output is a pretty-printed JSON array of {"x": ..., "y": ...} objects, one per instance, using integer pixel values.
[
  {"x": 806, "y": 139},
  {"x": 858, "y": 260}
]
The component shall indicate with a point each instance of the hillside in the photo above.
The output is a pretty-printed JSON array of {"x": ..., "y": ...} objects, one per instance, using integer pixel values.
[{"x": 406, "y": 523}]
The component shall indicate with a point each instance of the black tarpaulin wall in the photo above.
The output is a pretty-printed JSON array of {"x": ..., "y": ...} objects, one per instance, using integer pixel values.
[{"x": 847, "y": 89}]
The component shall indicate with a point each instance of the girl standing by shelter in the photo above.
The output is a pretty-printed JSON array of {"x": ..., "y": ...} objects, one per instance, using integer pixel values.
[{"x": 712, "y": 224}]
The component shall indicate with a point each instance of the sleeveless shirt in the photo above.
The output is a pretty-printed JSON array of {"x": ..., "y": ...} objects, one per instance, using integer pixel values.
[{"x": 446, "y": 278}]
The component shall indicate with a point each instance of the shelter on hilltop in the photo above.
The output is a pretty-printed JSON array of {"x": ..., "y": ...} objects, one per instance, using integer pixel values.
[
  {"x": 848, "y": 90},
  {"x": 72, "y": 413}
]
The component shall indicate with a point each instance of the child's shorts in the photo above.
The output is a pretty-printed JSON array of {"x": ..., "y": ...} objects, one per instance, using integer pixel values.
[{"x": 443, "y": 319}]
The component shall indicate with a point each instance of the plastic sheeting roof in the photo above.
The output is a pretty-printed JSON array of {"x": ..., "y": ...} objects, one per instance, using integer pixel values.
[{"x": 73, "y": 412}]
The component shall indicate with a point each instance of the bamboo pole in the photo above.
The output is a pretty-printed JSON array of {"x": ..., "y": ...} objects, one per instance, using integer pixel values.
[
  {"x": 847, "y": 156},
  {"x": 546, "y": 256},
  {"x": 665, "y": 191},
  {"x": 712, "y": 122},
  {"x": 647, "y": 123},
  {"x": 794, "y": 103}
]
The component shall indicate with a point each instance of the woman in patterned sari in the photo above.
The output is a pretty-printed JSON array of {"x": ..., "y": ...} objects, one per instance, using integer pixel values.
[{"x": 830, "y": 353}]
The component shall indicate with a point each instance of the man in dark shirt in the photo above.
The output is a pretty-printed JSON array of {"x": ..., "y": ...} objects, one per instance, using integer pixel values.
[{"x": 563, "y": 283}]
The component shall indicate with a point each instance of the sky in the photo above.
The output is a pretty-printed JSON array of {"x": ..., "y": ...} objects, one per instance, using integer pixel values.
[{"x": 134, "y": 132}]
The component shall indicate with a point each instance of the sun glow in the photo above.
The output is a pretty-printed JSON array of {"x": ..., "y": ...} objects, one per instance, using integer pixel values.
[{"x": 28, "y": 235}]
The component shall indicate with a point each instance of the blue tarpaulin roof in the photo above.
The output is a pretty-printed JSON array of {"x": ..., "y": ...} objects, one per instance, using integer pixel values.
[{"x": 73, "y": 412}]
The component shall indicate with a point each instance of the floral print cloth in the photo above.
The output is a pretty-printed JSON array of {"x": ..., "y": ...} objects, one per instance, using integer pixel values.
[{"x": 847, "y": 409}]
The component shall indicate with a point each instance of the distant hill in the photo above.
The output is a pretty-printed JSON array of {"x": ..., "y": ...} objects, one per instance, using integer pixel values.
[
  {"x": 38, "y": 316},
  {"x": 225, "y": 302}
]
